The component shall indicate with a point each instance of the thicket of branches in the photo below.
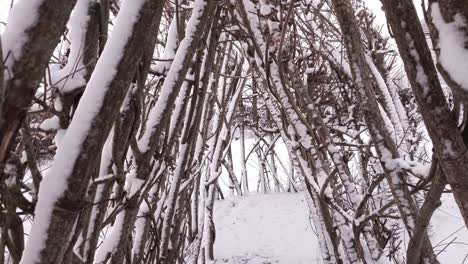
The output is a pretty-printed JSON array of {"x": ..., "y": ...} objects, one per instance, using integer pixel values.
[{"x": 117, "y": 119}]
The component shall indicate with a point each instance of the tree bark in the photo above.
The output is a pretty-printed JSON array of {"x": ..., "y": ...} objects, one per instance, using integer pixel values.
[
  {"x": 2, "y": 86},
  {"x": 446, "y": 137},
  {"x": 386, "y": 148},
  {"x": 26, "y": 69},
  {"x": 64, "y": 213},
  {"x": 449, "y": 11}
]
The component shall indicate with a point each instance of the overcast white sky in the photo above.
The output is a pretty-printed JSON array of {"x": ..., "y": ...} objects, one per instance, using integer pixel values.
[
  {"x": 4, "y": 8},
  {"x": 373, "y": 4},
  {"x": 376, "y": 6}
]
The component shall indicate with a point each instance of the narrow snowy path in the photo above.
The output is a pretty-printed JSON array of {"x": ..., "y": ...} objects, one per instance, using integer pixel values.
[
  {"x": 261, "y": 229},
  {"x": 267, "y": 229}
]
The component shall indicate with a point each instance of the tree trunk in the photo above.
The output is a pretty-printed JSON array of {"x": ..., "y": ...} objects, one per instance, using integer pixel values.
[
  {"x": 57, "y": 210},
  {"x": 446, "y": 137},
  {"x": 386, "y": 148},
  {"x": 27, "y": 57}
]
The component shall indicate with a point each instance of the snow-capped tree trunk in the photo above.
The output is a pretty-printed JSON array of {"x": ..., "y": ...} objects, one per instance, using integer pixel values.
[
  {"x": 57, "y": 210},
  {"x": 244, "y": 176},
  {"x": 272, "y": 164},
  {"x": 158, "y": 119},
  {"x": 27, "y": 47},
  {"x": 448, "y": 142},
  {"x": 208, "y": 82},
  {"x": 229, "y": 94},
  {"x": 324, "y": 138},
  {"x": 115, "y": 153},
  {"x": 448, "y": 23},
  {"x": 2, "y": 86},
  {"x": 137, "y": 127},
  {"x": 386, "y": 148},
  {"x": 112, "y": 163},
  {"x": 228, "y": 164},
  {"x": 322, "y": 220},
  {"x": 71, "y": 80},
  {"x": 431, "y": 203},
  {"x": 186, "y": 142},
  {"x": 319, "y": 213}
]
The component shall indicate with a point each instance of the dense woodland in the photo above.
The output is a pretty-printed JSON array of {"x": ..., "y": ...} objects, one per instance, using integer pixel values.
[{"x": 117, "y": 119}]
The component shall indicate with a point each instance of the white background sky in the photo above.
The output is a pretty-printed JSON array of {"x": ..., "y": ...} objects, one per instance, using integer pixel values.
[
  {"x": 4, "y": 8},
  {"x": 375, "y": 5}
]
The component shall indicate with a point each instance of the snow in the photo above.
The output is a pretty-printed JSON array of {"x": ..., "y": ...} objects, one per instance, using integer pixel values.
[
  {"x": 169, "y": 50},
  {"x": 4, "y": 10},
  {"x": 50, "y": 124},
  {"x": 140, "y": 224},
  {"x": 133, "y": 184},
  {"x": 157, "y": 112},
  {"x": 70, "y": 147},
  {"x": 221, "y": 138},
  {"x": 421, "y": 77},
  {"x": 447, "y": 225},
  {"x": 179, "y": 104},
  {"x": 104, "y": 178},
  {"x": 72, "y": 75},
  {"x": 273, "y": 228},
  {"x": 59, "y": 135},
  {"x": 23, "y": 16},
  {"x": 416, "y": 168},
  {"x": 110, "y": 243},
  {"x": 276, "y": 228},
  {"x": 265, "y": 229},
  {"x": 453, "y": 54},
  {"x": 388, "y": 102},
  {"x": 106, "y": 160},
  {"x": 266, "y": 9}
]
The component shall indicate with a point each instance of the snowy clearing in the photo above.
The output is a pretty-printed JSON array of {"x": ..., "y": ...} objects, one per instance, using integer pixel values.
[{"x": 275, "y": 228}]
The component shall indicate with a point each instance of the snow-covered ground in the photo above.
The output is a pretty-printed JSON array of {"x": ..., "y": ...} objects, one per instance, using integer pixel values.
[
  {"x": 449, "y": 231},
  {"x": 261, "y": 229},
  {"x": 265, "y": 229}
]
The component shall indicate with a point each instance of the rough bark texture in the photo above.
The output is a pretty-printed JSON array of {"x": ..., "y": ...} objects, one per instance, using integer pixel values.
[
  {"x": 446, "y": 138},
  {"x": 2, "y": 87},
  {"x": 72, "y": 203},
  {"x": 27, "y": 70},
  {"x": 385, "y": 146},
  {"x": 144, "y": 161},
  {"x": 449, "y": 9},
  {"x": 89, "y": 57},
  {"x": 123, "y": 135}
]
